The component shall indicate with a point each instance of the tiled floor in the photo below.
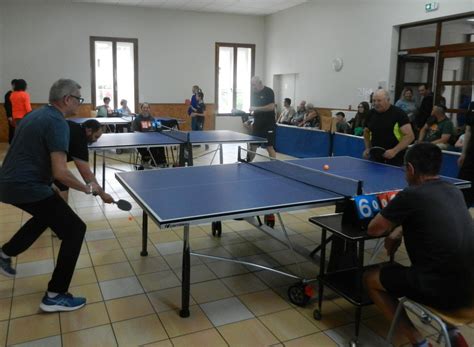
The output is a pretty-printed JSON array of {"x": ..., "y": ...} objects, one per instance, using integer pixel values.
[{"x": 134, "y": 300}]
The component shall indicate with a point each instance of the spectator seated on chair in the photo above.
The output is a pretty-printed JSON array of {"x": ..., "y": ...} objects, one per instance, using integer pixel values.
[
  {"x": 432, "y": 218},
  {"x": 300, "y": 113},
  {"x": 438, "y": 129},
  {"x": 311, "y": 119},
  {"x": 341, "y": 125},
  {"x": 288, "y": 112},
  {"x": 144, "y": 122},
  {"x": 359, "y": 122}
]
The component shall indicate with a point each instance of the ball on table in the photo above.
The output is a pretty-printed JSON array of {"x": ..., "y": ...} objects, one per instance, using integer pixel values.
[
  {"x": 326, "y": 167},
  {"x": 130, "y": 218}
]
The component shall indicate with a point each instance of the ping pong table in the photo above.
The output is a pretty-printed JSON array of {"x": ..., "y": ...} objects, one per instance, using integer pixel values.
[
  {"x": 200, "y": 194},
  {"x": 185, "y": 141}
]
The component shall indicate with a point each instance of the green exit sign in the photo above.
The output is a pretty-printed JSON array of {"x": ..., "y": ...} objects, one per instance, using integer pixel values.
[{"x": 432, "y": 6}]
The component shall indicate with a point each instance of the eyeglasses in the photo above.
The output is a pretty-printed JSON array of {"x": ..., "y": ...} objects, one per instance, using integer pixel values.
[{"x": 78, "y": 98}]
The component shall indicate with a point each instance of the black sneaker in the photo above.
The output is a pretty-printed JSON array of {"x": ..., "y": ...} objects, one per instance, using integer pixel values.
[{"x": 6, "y": 267}]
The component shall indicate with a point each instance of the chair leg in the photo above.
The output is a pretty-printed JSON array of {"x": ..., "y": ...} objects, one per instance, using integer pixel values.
[{"x": 393, "y": 326}]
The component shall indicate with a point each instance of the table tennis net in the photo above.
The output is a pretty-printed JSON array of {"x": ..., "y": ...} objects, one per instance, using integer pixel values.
[
  {"x": 336, "y": 184},
  {"x": 181, "y": 136}
]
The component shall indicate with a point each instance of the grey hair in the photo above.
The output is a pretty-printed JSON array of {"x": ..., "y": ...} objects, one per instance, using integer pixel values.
[
  {"x": 61, "y": 88},
  {"x": 309, "y": 106},
  {"x": 383, "y": 92},
  {"x": 257, "y": 79}
]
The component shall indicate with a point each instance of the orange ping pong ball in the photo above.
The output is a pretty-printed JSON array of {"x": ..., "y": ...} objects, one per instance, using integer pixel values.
[
  {"x": 326, "y": 167},
  {"x": 130, "y": 218}
]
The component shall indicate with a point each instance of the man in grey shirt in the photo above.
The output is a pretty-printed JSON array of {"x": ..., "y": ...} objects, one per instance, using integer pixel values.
[{"x": 37, "y": 156}]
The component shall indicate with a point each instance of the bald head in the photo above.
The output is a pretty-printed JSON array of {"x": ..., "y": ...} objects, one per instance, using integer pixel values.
[{"x": 381, "y": 100}]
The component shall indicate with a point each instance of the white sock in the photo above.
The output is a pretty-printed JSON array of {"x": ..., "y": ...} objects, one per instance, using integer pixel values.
[
  {"x": 3, "y": 255},
  {"x": 52, "y": 295}
]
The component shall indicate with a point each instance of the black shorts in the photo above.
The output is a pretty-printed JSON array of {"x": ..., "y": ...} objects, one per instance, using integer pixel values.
[
  {"x": 402, "y": 281},
  {"x": 61, "y": 187},
  {"x": 265, "y": 126}
]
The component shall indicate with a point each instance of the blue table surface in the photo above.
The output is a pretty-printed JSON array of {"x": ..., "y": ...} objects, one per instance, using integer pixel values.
[
  {"x": 137, "y": 139},
  {"x": 185, "y": 194}
]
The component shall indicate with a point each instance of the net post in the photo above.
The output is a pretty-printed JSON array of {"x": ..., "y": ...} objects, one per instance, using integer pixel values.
[{"x": 239, "y": 156}]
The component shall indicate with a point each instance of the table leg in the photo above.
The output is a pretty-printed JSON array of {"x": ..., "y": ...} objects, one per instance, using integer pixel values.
[
  {"x": 144, "y": 251},
  {"x": 186, "y": 276},
  {"x": 103, "y": 170},
  {"x": 322, "y": 267},
  {"x": 95, "y": 162},
  {"x": 360, "y": 287},
  {"x": 221, "y": 154}
]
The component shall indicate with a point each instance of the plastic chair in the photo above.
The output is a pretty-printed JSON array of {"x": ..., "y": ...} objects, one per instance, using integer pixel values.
[{"x": 428, "y": 315}]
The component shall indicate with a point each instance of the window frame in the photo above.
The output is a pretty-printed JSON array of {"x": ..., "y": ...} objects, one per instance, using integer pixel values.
[
  {"x": 235, "y": 47},
  {"x": 114, "y": 40}
]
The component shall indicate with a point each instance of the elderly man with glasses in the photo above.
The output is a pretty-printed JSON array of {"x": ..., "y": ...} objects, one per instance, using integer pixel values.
[{"x": 37, "y": 156}]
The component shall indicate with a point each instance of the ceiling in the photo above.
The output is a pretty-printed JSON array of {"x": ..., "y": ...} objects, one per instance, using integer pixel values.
[{"x": 248, "y": 7}]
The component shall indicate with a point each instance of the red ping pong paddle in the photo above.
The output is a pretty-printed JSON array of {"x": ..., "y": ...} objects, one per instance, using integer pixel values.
[{"x": 376, "y": 154}]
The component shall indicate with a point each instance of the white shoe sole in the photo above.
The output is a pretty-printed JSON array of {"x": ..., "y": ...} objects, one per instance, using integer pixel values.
[
  {"x": 4, "y": 273},
  {"x": 59, "y": 308}
]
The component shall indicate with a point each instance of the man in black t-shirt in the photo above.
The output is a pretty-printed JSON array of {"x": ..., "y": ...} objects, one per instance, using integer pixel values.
[
  {"x": 389, "y": 127},
  {"x": 466, "y": 160},
  {"x": 80, "y": 136},
  {"x": 426, "y": 105},
  {"x": 262, "y": 106},
  {"x": 439, "y": 239}
]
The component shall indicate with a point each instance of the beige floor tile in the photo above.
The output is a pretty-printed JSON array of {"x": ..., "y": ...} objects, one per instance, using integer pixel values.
[
  {"x": 35, "y": 254},
  {"x": 167, "y": 299},
  {"x": 83, "y": 276},
  {"x": 199, "y": 273},
  {"x": 177, "y": 326},
  {"x": 318, "y": 339},
  {"x": 208, "y": 338},
  {"x": 149, "y": 264},
  {"x": 381, "y": 326},
  {"x": 26, "y": 305},
  {"x": 103, "y": 245},
  {"x": 129, "y": 307},
  {"x": 98, "y": 336},
  {"x": 288, "y": 324},
  {"x": 39, "y": 326},
  {"x": 264, "y": 302},
  {"x": 132, "y": 241},
  {"x": 113, "y": 271},
  {"x": 244, "y": 284},
  {"x": 209, "y": 291},
  {"x": 139, "y": 331},
  {"x": 89, "y": 316},
  {"x": 6, "y": 287},
  {"x": 332, "y": 315},
  {"x": 3, "y": 333},
  {"x": 164, "y": 236},
  {"x": 97, "y": 225},
  {"x": 90, "y": 291},
  {"x": 247, "y": 333},
  {"x": 29, "y": 285},
  {"x": 108, "y": 257},
  {"x": 5, "y": 305},
  {"x": 133, "y": 253},
  {"x": 164, "y": 343},
  {"x": 159, "y": 280},
  {"x": 83, "y": 261}
]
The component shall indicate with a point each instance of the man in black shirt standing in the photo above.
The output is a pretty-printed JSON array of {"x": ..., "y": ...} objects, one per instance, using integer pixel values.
[
  {"x": 8, "y": 112},
  {"x": 426, "y": 105},
  {"x": 388, "y": 127},
  {"x": 466, "y": 160},
  {"x": 439, "y": 238},
  {"x": 80, "y": 136},
  {"x": 262, "y": 105}
]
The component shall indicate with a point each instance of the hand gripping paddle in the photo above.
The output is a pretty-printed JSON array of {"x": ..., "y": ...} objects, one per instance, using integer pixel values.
[
  {"x": 376, "y": 154},
  {"x": 124, "y": 205}
]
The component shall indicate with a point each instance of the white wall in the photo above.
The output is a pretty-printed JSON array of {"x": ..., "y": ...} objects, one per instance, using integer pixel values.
[
  {"x": 305, "y": 39},
  {"x": 176, "y": 48},
  {"x": 1, "y": 47}
]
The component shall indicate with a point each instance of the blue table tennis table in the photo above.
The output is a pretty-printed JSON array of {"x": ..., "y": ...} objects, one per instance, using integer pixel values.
[
  {"x": 194, "y": 195},
  {"x": 185, "y": 141},
  {"x": 125, "y": 120}
]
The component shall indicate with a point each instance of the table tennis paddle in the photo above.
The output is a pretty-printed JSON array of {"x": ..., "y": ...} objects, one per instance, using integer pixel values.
[
  {"x": 124, "y": 205},
  {"x": 376, "y": 154}
]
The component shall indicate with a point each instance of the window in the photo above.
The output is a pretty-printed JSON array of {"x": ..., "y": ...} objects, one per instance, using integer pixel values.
[
  {"x": 235, "y": 66},
  {"x": 114, "y": 63}
]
